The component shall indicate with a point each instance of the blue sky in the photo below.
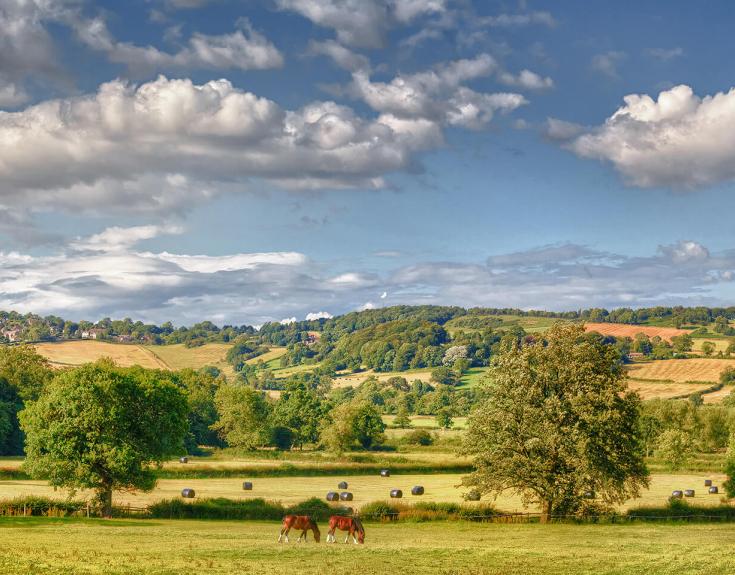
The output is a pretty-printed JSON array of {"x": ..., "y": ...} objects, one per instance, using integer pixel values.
[{"x": 256, "y": 160}]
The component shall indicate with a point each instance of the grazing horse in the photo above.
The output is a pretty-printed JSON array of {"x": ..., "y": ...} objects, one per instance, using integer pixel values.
[
  {"x": 299, "y": 522},
  {"x": 352, "y": 525}
]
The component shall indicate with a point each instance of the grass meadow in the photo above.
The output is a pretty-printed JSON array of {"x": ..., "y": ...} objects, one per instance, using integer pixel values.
[{"x": 162, "y": 547}]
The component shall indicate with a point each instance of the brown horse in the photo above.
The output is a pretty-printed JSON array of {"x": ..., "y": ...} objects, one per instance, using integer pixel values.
[
  {"x": 299, "y": 522},
  {"x": 352, "y": 525}
]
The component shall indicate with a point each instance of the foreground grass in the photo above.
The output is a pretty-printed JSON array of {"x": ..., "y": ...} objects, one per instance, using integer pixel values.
[{"x": 35, "y": 546}]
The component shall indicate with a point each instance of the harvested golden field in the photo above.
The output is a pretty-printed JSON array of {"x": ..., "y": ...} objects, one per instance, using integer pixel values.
[
  {"x": 178, "y": 356},
  {"x": 680, "y": 370},
  {"x": 626, "y": 330},
  {"x": 653, "y": 390},
  {"x": 73, "y": 353},
  {"x": 355, "y": 379},
  {"x": 718, "y": 396}
]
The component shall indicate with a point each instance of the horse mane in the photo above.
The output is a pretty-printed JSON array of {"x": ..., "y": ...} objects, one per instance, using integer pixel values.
[{"x": 359, "y": 524}]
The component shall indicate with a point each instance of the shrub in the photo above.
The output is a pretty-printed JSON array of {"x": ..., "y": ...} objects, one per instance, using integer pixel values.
[
  {"x": 678, "y": 509},
  {"x": 246, "y": 509},
  {"x": 38, "y": 506},
  {"x": 418, "y": 437},
  {"x": 426, "y": 511}
]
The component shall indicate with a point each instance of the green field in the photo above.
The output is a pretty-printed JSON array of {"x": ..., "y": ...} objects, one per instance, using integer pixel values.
[{"x": 158, "y": 547}]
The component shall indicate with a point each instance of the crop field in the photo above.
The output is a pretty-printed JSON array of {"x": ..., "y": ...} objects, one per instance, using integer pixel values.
[
  {"x": 680, "y": 370},
  {"x": 626, "y": 330},
  {"x": 427, "y": 421},
  {"x": 178, "y": 356},
  {"x": 656, "y": 390},
  {"x": 719, "y": 343},
  {"x": 165, "y": 547},
  {"x": 73, "y": 353},
  {"x": 365, "y": 488},
  {"x": 355, "y": 379}
]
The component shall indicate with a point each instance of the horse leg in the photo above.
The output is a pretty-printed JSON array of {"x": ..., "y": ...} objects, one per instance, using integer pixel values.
[
  {"x": 347, "y": 538},
  {"x": 280, "y": 534},
  {"x": 330, "y": 536},
  {"x": 286, "y": 533}
]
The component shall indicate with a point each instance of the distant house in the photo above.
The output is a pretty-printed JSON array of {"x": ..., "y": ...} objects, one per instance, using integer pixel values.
[
  {"x": 93, "y": 333},
  {"x": 12, "y": 334}
]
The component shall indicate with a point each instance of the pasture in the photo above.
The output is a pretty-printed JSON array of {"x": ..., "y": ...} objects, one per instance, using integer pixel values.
[
  {"x": 627, "y": 330},
  {"x": 163, "y": 547},
  {"x": 439, "y": 487}
]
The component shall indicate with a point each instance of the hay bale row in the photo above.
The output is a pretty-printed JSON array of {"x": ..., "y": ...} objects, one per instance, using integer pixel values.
[{"x": 188, "y": 493}]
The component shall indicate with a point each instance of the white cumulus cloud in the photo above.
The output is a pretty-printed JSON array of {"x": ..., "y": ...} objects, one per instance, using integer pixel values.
[{"x": 678, "y": 140}]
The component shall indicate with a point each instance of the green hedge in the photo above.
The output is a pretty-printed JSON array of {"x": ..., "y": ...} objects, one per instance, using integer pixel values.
[
  {"x": 426, "y": 511},
  {"x": 252, "y": 509},
  {"x": 678, "y": 510},
  {"x": 40, "y": 506}
]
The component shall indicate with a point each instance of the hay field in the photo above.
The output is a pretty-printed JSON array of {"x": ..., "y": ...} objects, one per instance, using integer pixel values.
[
  {"x": 73, "y": 353},
  {"x": 274, "y": 352},
  {"x": 720, "y": 344},
  {"x": 652, "y": 390},
  {"x": 366, "y": 488},
  {"x": 178, "y": 356},
  {"x": 680, "y": 370},
  {"x": 355, "y": 379},
  {"x": 626, "y": 330},
  {"x": 45, "y": 546}
]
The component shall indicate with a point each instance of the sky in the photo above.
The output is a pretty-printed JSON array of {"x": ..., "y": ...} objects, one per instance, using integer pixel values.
[{"x": 244, "y": 161}]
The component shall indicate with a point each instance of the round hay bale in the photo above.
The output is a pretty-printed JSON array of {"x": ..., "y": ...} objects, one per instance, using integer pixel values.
[
  {"x": 342, "y": 485},
  {"x": 713, "y": 490},
  {"x": 473, "y": 495},
  {"x": 589, "y": 495},
  {"x": 417, "y": 490},
  {"x": 385, "y": 472},
  {"x": 345, "y": 496},
  {"x": 396, "y": 493},
  {"x": 677, "y": 494},
  {"x": 247, "y": 486},
  {"x": 689, "y": 493},
  {"x": 708, "y": 483},
  {"x": 183, "y": 460},
  {"x": 188, "y": 493},
  {"x": 332, "y": 496}
]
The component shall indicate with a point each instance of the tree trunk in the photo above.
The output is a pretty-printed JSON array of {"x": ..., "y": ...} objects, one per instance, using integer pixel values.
[
  {"x": 105, "y": 499},
  {"x": 546, "y": 507}
]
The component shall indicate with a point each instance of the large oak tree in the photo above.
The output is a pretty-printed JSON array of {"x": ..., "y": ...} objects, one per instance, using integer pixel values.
[
  {"x": 104, "y": 428},
  {"x": 557, "y": 422}
]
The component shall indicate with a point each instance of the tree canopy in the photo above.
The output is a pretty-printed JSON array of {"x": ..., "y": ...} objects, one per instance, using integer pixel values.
[
  {"x": 102, "y": 427},
  {"x": 557, "y": 422}
]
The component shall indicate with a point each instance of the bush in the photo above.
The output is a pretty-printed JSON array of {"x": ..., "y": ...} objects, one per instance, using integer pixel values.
[
  {"x": 40, "y": 506},
  {"x": 246, "y": 509},
  {"x": 426, "y": 511},
  {"x": 418, "y": 437},
  {"x": 683, "y": 511}
]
